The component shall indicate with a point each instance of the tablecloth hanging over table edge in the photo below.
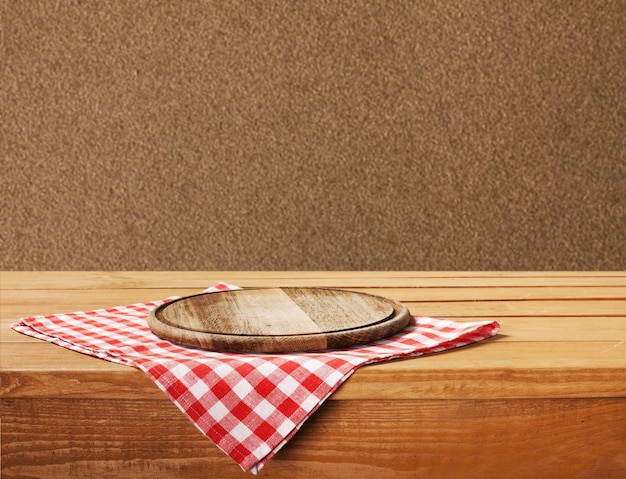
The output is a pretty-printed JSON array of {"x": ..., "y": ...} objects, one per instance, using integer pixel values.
[{"x": 249, "y": 405}]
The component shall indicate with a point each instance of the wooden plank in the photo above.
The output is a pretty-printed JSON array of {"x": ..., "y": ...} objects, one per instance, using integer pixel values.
[
  {"x": 513, "y": 328},
  {"x": 455, "y": 302},
  {"x": 110, "y": 381},
  {"x": 14, "y": 297},
  {"x": 441, "y": 282},
  {"x": 490, "y": 369},
  {"x": 19, "y": 303},
  {"x": 511, "y": 293},
  {"x": 564, "y": 328},
  {"x": 499, "y": 309},
  {"x": 61, "y": 438},
  {"x": 91, "y": 438},
  {"x": 507, "y": 370},
  {"x": 202, "y": 279}
]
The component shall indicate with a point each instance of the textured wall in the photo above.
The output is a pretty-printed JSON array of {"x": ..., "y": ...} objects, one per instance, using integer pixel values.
[{"x": 313, "y": 135}]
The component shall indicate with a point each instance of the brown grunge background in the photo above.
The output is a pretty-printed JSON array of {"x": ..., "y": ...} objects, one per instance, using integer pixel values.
[{"x": 354, "y": 135}]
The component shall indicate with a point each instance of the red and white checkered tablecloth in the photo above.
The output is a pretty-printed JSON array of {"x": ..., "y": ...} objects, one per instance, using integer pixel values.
[{"x": 249, "y": 405}]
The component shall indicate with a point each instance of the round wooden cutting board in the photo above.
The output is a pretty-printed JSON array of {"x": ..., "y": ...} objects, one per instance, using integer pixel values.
[{"x": 278, "y": 320}]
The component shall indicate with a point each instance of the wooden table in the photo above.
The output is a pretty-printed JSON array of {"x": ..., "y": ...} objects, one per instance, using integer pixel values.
[{"x": 545, "y": 398}]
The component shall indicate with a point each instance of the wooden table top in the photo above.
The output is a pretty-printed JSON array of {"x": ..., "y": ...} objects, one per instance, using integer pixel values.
[{"x": 563, "y": 334}]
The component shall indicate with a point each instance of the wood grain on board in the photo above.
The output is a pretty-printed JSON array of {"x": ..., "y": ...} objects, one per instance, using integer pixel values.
[{"x": 278, "y": 320}]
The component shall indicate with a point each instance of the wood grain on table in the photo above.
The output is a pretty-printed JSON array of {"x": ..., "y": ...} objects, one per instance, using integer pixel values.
[{"x": 545, "y": 398}]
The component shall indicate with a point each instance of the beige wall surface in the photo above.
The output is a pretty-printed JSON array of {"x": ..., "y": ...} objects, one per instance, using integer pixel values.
[{"x": 352, "y": 135}]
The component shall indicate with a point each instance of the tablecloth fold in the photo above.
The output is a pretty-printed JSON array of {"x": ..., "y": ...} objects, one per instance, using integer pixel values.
[{"x": 249, "y": 405}]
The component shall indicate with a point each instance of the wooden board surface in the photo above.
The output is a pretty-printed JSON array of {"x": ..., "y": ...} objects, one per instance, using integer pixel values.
[
  {"x": 278, "y": 320},
  {"x": 545, "y": 398},
  {"x": 390, "y": 439}
]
